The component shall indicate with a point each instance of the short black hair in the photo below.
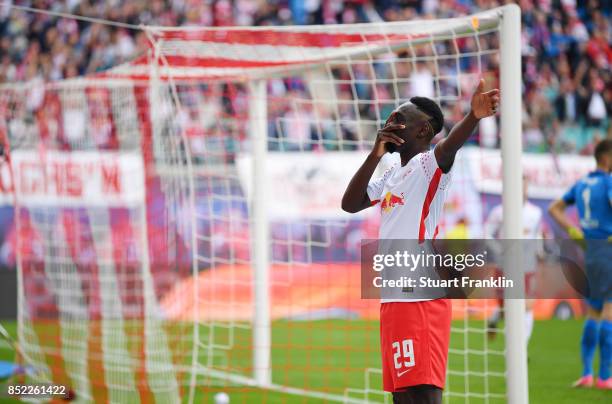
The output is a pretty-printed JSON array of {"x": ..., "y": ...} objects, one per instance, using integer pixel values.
[
  {"x": 432, "y": 109},
  {"x": 604, "y": 147}
]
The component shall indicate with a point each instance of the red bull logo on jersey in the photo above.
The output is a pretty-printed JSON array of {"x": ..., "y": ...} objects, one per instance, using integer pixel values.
[{"x": 390, "y": 201}]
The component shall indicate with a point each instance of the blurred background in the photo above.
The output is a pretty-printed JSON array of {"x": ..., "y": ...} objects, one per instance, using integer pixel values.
[{"x": 567, "y": 56}]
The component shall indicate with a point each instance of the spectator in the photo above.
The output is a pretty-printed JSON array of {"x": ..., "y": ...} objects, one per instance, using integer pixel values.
[
  {"x": 567, "y": 103},
  {"x": 297, "y": 121},
  {"x": 566, "y": 49}
]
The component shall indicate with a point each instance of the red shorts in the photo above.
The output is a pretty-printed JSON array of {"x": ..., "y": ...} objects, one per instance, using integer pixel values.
[{"x": 414, "y": 339}]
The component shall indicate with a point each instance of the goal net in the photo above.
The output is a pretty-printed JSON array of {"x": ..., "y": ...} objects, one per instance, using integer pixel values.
[{"x": 178, "y": 229}]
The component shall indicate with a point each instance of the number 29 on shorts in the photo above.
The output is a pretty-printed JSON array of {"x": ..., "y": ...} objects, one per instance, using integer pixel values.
[{"x": 403, "y": 354}]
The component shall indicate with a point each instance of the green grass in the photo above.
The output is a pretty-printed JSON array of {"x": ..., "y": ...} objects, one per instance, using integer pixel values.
[{"x": 331, "y": 355}]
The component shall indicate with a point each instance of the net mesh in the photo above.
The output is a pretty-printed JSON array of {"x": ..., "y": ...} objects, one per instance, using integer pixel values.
[{"x": 133, "y": 223}]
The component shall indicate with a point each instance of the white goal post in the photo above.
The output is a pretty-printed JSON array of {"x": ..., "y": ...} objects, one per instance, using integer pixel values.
[{"x": 512, "y": 198}]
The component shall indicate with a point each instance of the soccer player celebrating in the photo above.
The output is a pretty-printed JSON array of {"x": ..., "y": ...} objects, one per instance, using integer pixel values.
[
  {"x": 532, "y": 229},
  {"x": 414, "y": 333},
  {"x": 593, "y": 198}
]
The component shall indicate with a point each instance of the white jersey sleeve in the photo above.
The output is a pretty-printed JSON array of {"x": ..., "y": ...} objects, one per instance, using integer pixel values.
[
  {"x": 376, "y": 186},
  {"x": 430, "y": 168}
]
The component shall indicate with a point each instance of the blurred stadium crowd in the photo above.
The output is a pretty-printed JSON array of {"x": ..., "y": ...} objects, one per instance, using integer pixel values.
[{"x": 567, "y": 60}]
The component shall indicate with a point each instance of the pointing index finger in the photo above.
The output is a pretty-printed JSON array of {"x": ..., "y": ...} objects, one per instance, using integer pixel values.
[{"x": 394, "y": 126}]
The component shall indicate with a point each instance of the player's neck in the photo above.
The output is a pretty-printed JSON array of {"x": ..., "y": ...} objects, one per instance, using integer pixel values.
[
  {"x": 600, "y": 167},
  {"x": 407, "y": 155}
]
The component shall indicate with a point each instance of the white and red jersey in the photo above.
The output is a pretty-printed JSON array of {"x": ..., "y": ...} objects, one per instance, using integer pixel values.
[
  {"x": 532, "y": 230},
  {"x": 411, "y": 198},
  {"x": 532, "y": 221}
]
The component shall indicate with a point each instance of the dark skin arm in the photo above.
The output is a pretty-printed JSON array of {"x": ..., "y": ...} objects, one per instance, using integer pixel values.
[
  {"x": 483, "y": 105},
  {"x": 356, "y": 197}
]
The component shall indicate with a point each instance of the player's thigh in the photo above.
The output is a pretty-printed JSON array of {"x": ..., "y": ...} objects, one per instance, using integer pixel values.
[
  {"x": 597, "y": 265},
  {"x": 421, "y": 394}
]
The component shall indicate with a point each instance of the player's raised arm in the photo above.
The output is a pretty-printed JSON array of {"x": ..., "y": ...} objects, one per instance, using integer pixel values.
[
  {"x": 483, "y": 104},
  {"x": 356, "y": 197}
]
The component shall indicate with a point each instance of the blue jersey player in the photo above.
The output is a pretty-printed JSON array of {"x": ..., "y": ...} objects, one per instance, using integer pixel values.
[{"x": 592, "y": 196}]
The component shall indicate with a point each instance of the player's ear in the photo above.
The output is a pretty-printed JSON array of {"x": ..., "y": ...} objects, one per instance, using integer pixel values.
[{"x": 423, "y": 132}]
